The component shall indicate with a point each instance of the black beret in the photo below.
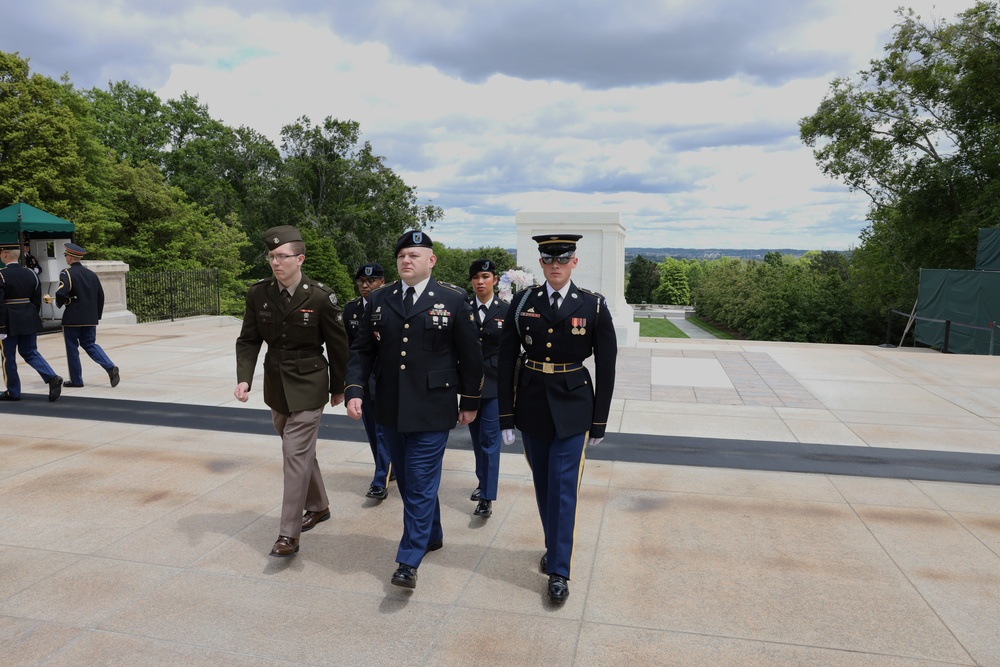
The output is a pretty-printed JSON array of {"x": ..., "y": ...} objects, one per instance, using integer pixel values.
[
  {"x": 412, "y": 238},
  {"x": 554, "y": 245},
  {"x": 481, "y": 265},
  {"x": 372, "y": 270},
  {"x": 279, "y": 236}
]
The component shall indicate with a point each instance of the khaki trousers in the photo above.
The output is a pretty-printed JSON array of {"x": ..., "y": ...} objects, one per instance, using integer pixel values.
[{"x": 303, "y": 481}]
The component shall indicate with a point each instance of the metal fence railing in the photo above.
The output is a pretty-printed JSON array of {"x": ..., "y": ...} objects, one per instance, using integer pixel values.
[
  {"x": 166, "y": 295},
  {"x": 946, "y": 336}
]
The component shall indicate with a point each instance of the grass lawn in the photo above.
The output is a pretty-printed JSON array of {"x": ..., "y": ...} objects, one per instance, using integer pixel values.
[{"x": 658, "y": 328}]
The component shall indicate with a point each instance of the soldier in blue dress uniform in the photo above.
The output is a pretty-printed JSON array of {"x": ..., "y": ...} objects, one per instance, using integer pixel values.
[
  {"x": 556, "y": 404},
  {"x": 20, "y": 322},
  {"x": 420, "y": 338},
  {"x": 367, "y": 279},
  {"x": 81, "y": 295},
  {"x": 490, "y": 314}
]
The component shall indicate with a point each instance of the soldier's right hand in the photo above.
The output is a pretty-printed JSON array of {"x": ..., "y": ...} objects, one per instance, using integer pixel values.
[
  {"x": 508, "y": 436},
  {"x": 354, "y": 408},
  {"x": 242, "y": 392}
]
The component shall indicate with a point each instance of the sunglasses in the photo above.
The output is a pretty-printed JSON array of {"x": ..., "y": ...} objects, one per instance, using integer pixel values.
[{"x": 561, "y": 260}]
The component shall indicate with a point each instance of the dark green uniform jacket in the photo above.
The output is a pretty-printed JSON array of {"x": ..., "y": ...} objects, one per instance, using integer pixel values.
[{"x": 296, "y": 374}]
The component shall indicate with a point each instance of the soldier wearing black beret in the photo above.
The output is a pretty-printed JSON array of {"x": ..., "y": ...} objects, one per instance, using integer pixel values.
[
  {"x": 297, "y": 317},
  {"x": 556, "y": 404},
  {"x": 491, "y": 312},
  {"x": 420, "y": 338},
  {"x": 20, "y": 303},
  {"x": 367, "y": 279}
]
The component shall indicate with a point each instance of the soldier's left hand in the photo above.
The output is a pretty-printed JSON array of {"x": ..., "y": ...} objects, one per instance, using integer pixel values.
[
  {"x": 595, "y": 441},
  {"x": 466, "y": 417},
  {"x": 336, "y": 399}
]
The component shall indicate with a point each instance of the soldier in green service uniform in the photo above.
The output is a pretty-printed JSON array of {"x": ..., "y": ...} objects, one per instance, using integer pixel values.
[{"x": 297, "y": 317}]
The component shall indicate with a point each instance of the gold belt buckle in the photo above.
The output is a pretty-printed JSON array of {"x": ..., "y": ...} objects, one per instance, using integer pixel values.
[{"x": 548, "y": 368}]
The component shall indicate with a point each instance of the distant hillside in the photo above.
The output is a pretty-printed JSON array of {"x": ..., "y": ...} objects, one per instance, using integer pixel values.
[{"x": 659, "y": 254}]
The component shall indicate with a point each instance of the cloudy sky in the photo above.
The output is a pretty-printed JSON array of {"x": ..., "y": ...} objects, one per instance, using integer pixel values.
[{"x": 679, "y": 114}]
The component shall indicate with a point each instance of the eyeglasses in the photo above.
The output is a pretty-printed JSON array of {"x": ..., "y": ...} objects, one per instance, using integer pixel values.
[
  {"x": 280, "y": 258},
  {"x": 562, "y": 260},
  {"x": 368, "y": 281}
]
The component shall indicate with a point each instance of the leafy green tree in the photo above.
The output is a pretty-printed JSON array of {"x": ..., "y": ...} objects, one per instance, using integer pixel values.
[
  {"x": 918, "y": 133},
  {"x": 131, "y": 122},
  {"x": 323, "y": 264},
  {"x": 336, "y": 183},
  {"x": 453, "y": 263},
  {"x": 643, "y": 278},
  {"x": 673, "y": 288}
]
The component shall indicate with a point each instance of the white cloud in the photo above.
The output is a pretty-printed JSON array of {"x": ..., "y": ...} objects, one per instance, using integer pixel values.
[{"x": 681, "y": 115}]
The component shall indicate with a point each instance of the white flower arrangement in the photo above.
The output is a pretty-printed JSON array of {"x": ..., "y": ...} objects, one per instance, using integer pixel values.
[{"x": 514, "y": 280}]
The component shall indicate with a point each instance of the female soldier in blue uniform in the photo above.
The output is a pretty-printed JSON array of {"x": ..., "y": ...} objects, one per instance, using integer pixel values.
[{"x": 490, "y": 314}]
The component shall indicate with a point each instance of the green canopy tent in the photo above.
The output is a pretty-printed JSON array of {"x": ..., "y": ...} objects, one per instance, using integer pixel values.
[{"x": 22, "y": 220}]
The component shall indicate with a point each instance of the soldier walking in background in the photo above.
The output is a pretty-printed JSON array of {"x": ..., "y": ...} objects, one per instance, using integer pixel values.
[
  {"x": 81, "y": 294},
  {"x": 297, "y": 317},
  {"x": 556, "y": 404},
  {"x": 20, "y": 322},
  {"x": 368, "y": 278},
  {"x": 490, "y": 314}
]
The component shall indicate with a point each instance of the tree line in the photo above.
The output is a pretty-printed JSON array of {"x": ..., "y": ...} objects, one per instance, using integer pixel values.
[
  {"x": 918, "y": 133},
  {"x": 162, "y": 185}
]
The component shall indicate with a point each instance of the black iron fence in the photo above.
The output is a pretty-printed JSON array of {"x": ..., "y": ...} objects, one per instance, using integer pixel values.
[{"x": 166, "y": 295}]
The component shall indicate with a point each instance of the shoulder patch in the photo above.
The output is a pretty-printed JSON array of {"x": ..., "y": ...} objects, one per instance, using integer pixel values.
[{"x": 333, "y": 298}]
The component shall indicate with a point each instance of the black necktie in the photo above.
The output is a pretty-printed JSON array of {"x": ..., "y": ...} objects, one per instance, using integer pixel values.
[
  {"x": 482, "y": 313},
  {"x": 408, "y": 300},
  {"x": 555, "y": 302},
  {"x": 286, "y": 296}
]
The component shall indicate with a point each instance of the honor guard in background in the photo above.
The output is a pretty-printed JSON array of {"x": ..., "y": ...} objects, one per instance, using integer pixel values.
[
  {"x": 369, "y": 278},
  {"x": 297, "y": 317},
  {"x": 420, "y": 338},
  {"x": 29, "y": 261},
  {"x": 81, "y": 295},
  {"x": 20, "y": 322},
  {"x": 490, "y": 314},
  {"x": 556, "y": 404}
]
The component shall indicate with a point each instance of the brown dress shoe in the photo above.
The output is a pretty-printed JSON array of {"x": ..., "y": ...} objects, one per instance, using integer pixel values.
[
  {"x": 311, "y": 518},
  {"x": 285, "y": 546}
]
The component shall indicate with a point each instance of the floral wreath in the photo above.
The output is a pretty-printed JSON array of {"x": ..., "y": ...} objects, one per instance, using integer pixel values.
[{"x": 514, "y": 280}]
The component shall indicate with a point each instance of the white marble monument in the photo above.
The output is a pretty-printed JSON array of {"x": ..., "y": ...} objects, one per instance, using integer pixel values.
[{"x": 602, "y": 258}]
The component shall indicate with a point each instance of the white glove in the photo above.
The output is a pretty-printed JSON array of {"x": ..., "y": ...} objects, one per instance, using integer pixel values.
[
  {"x": 508, "y": 436},
  {"x": 2, "y": 336},
  {"x": 595, "y": 441}
]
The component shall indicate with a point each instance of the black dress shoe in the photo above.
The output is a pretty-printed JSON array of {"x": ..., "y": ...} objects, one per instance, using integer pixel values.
[
  {"x": 476, "y": 495},
  {"x": 558, "y": 588},
  {"x": 379, "y": 492},
  {"x": 435, "y": 545},
  {"x": 484, "y": 509},
  {"x": 285, "y": 546},
  {"x": 392, "y": 477},
  {"x": 72, "y": 385},
  {"x": 405, "y": 576},
  {"x": 6, "y": 396},
  {"x": 311, "y": 518},
  {"x": 115, "y": 378},
  {"x": 55, "y": 388},
  {"x": 543, "y": 564}
]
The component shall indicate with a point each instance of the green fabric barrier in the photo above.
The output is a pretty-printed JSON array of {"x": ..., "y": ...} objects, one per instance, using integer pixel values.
[
  {"x": 963, "y": 297},
  {"x": 988, "y": 250}
]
